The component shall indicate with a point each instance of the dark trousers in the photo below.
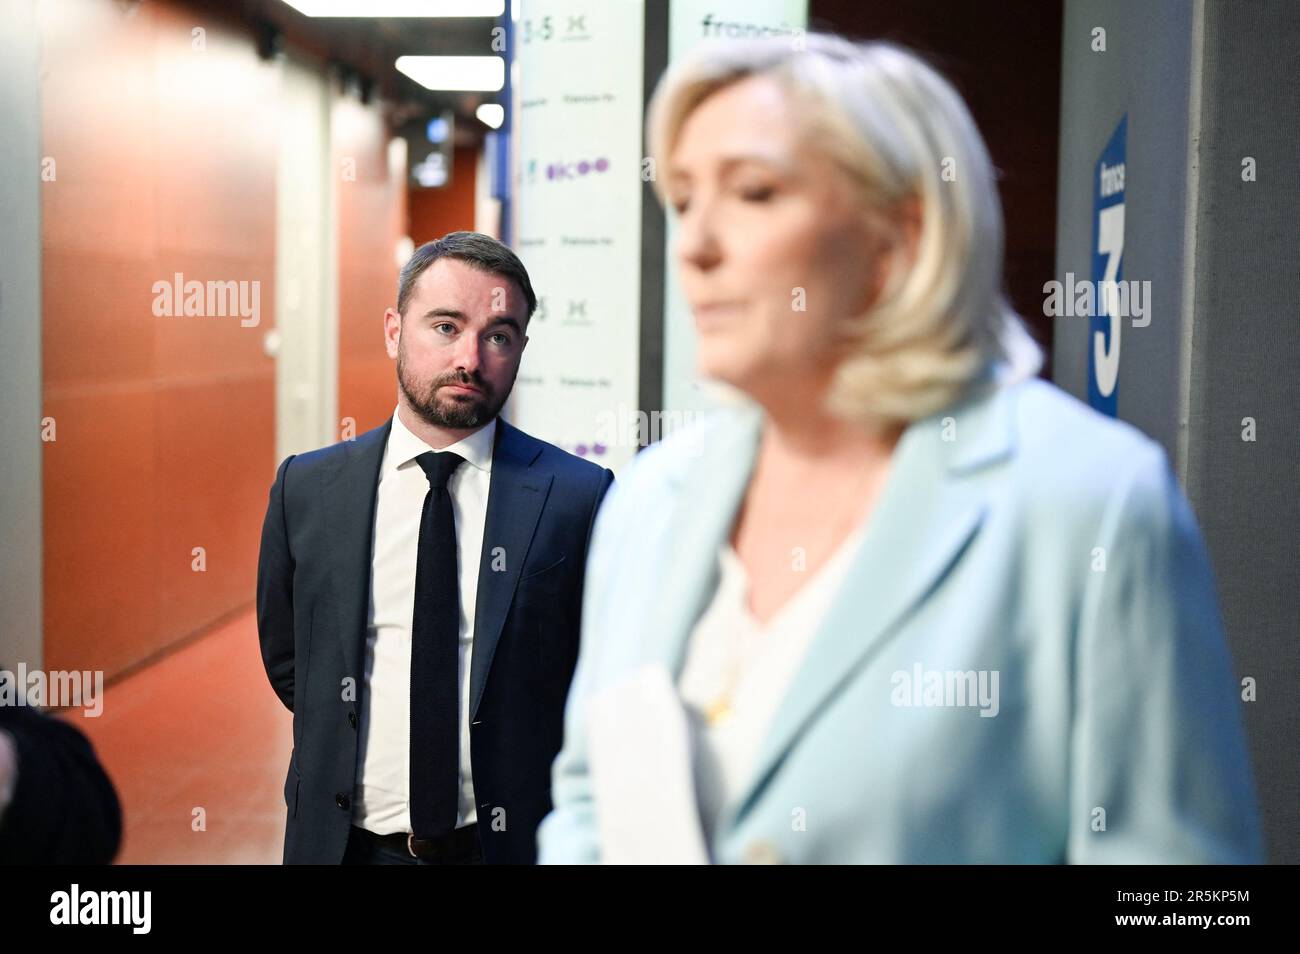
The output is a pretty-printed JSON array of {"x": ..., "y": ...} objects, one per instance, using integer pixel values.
[{"x": 365, "y": 848}]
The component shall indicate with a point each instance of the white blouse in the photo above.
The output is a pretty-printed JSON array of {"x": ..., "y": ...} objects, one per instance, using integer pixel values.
[{"x": 730, "y": 650}]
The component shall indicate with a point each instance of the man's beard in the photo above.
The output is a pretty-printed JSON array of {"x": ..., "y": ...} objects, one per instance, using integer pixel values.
[{"x": 459, "y": 412}]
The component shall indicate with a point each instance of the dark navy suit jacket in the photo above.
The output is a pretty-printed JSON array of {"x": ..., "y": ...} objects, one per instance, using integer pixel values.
[{"x": 313, "y": 590}]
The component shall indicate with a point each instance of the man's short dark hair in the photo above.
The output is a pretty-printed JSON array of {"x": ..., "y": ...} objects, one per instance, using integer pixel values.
[{"x": 473, "y": 248}]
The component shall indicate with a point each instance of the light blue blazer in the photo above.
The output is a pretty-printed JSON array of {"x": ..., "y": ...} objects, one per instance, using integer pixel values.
[{"x": 1020, "y": 534}]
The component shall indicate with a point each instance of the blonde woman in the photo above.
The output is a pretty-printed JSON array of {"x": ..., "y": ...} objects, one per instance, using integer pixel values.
[{"x": 901, "y": 602}]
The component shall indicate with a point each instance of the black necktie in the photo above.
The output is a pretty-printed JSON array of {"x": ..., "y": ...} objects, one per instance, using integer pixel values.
[{"x": 435, "y": 658}]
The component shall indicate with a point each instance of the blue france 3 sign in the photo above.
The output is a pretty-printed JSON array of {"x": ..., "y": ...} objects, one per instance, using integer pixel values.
[{"x": 1107, "y": 272}]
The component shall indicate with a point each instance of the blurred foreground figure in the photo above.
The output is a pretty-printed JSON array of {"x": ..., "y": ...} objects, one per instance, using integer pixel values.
[
  {"x": 901, "y": 601},
  {"x": 57, "y": 805}
]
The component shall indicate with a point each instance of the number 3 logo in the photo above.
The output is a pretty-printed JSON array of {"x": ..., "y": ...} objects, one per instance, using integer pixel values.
[{"x": 1110, "y": 243}]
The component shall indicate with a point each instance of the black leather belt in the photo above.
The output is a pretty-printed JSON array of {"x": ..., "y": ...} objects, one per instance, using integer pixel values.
[{"x": 459, "y": 841}]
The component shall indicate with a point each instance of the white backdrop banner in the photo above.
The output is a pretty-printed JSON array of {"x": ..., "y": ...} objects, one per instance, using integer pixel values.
[
  {"x": 578, "y": 173},
  {"x": 691, "y": 22},
  {"x": 578, "y": 187}
]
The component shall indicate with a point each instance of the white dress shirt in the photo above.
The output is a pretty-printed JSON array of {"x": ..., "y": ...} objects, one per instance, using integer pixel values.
[
  {"x": 382, "y": 802},
  {"x": 730, "y": 648}
]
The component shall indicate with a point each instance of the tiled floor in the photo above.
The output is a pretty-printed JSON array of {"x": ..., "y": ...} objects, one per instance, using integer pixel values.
[{"x": 199, "y": 729}]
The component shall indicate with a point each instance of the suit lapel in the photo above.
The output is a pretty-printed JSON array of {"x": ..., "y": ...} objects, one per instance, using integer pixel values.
[
  {"x": 349, "y": 489},
  {"x": 515, "y": 499},
  {"x": 928, "y": 513},
  {"x": 930, "y": 510},
  {"x": 707, "y": 495},
  {"x": 915, "y": 534}
]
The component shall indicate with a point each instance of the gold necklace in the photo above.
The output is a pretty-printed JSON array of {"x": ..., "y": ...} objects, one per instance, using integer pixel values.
[{"x": 721, "y": 708}]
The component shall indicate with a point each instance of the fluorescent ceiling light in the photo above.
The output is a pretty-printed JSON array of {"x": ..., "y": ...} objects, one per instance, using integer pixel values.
[
  {"x": 437, "y": 130},
  {"x": 399, "y": 8},
  {"x": 481, "y": 73},
  {"x": 491, "y": 114},
  {"x": 432, "y": 172}
]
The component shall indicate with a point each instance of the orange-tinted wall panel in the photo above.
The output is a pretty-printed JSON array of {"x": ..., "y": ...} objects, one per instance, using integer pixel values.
[
  {"x": 371, "y": 201},
  {"x": 164, "y": 147},
  {"x": 435, "y": 212}
]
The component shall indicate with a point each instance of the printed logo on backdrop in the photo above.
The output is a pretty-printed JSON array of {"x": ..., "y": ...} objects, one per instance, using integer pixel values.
[
  {"x": 566, "y": 169},
  {"x": 1107, "y": 273},
  {"x": 568, "y": 27},
  {"x": 712, "y": 27}
]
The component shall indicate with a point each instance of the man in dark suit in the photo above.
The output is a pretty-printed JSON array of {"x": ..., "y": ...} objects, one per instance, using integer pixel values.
[{"x": 419, "y": 589}]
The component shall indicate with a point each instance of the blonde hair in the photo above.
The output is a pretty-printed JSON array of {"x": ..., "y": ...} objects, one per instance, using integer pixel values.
[{"x": 899, "y": 131}]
